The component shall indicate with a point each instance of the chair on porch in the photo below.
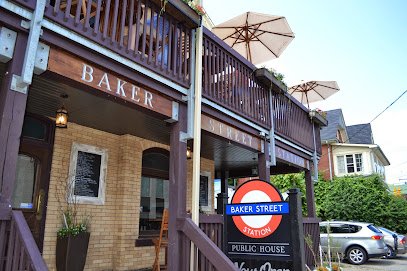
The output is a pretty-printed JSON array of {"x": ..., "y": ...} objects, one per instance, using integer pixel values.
[{"x": 161, "y": 242}]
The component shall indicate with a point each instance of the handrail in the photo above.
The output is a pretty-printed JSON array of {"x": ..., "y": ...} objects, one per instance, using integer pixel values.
[
  {"x": 22, "y": 252},
  {"x": 214, "y": 254}
]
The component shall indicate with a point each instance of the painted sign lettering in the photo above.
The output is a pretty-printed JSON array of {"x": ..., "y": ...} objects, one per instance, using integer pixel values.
[
  {"x": 221, "y": 129},
  {"x": 74, "y": 68},
  {"x": 291, "y": 157}
]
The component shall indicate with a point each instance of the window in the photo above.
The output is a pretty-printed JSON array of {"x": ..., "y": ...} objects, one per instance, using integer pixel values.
[
  {"x": 350, "y": 163},
  {"x": 339, "y": 228},
  {"x": 323, "y": 229},
  {"x": 354, "y": 228},
  {"x": 25, "y": 182},
  {"x": 154, "y": 191}
]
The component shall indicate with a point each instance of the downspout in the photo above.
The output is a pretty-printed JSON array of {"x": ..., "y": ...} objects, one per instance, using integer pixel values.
[
  {"x": 272, "y": 145},
  {"x": 314, "y": 158},
  {"x": 196, "y": 155},
  {"x": 329, "y": 162}
]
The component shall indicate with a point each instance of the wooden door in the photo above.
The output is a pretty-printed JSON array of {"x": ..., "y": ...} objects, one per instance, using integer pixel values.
[{"x": 30, "y": 193}]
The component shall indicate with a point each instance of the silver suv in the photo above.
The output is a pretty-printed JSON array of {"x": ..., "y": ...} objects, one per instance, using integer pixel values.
[{"x": 356, "y": 241}]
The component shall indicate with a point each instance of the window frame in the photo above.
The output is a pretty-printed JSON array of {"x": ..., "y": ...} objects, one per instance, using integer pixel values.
[
  {"x": 344, "y": 168},
  {"x": 76, "y": 148},
  {"x": 145, "y": 237}
]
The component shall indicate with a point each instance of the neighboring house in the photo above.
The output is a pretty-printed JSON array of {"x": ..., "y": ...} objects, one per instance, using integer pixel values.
[{"x": 349, "y": 150}]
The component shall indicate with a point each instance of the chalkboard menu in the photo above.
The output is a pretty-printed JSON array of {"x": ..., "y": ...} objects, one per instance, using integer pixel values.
[
  {"x": 87, "y": 174},
  {"x": 203, "y": 190}
]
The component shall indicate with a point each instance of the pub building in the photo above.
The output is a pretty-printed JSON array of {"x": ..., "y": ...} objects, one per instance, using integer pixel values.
[{"x": 98, "y": 97}]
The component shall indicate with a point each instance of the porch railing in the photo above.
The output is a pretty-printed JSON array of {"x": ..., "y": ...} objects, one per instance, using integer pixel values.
[
  {"x": 210, "y": 256},
  {"x": 311, "y": 229},
  {"x": 212, "y": 226},
  {"x": 18, "y": 250}
]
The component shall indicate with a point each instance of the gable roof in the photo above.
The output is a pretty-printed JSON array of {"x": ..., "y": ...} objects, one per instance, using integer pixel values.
[
  {"x": 360, "y": 134},
  {"x": 335, "y": 122}
]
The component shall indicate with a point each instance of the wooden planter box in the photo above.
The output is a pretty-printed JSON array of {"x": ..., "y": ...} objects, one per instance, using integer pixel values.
[{"x": 71, "y": 252}]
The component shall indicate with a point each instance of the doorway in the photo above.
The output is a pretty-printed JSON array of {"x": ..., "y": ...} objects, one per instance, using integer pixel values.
[{"x": 30, "y": 193}]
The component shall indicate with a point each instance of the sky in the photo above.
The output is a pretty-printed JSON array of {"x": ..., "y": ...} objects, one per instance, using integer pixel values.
[{"x": 361, "y": 44}]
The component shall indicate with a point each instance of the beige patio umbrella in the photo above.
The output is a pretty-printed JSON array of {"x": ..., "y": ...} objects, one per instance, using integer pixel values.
[
  {"x": 313, "y": 91},
  {"x": 258, "y": 37},
  {"x": 309, "y": 92}
]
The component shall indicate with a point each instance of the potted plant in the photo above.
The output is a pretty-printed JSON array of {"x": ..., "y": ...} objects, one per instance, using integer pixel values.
[{"x": 73, "y": 236}]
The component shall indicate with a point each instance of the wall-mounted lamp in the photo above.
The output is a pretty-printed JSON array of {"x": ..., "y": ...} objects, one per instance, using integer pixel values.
[
  {"x": 61, "y": 119},
  {"x": 189, "y": 153}
]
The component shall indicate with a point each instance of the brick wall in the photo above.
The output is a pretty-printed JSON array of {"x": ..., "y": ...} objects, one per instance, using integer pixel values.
[
  {"x": 323, "y": 165},
  {"x": 114, "y": 225}
]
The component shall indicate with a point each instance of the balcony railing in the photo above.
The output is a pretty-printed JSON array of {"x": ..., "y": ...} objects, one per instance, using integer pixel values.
[
  {"x": 139, "y": 30},
  {"x": 229, "y": 80},
  {"x": 161, "y": 42}
]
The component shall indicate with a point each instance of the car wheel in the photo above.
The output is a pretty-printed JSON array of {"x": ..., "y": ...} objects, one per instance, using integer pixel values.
[
  {"x": 356, "y": 255},
  {"x": 390, "y": 253}
]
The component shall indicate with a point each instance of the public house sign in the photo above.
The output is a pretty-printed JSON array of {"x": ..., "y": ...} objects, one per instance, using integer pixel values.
[
  {"x": 76, "y": 69},
  {"x": 226, "y": 131},
  {"x": 258, "y": 228}
]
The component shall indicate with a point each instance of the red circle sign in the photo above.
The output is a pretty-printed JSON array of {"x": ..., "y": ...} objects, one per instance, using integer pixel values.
[{"x": 263, "y": 188}]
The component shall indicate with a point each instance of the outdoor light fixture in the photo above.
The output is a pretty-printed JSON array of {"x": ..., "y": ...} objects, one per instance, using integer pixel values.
[
  {"x": 189, "y": 153},
  {"x": 61, "y": 119}
]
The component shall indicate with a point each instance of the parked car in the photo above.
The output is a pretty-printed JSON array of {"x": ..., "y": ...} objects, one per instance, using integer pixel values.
[
  {"x": 391, "y": 240},
  {"x": 355, "y": 241},
  {"x": 401, "y": 242}
]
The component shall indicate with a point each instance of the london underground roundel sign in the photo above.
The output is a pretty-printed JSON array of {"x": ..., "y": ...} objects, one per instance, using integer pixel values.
[{"x": 257, "y": 209}]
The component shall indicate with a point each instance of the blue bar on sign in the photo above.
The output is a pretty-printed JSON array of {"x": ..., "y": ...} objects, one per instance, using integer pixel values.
[{"x": 268, "y": 208}]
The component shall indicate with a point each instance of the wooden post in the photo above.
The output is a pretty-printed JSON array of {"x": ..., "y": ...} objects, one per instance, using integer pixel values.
[
  {"x": 263, "y": 163},
  {"x": 309, "y": 184},
  {"x": 297, "y": 230},
  {"x": 177, "y": 189},
  {"x": 12, "y": 110},
  {"x": 222, "y": 201}
]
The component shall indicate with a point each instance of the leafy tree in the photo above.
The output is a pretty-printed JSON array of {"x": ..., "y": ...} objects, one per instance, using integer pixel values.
[
  {"x": 361, "y": 198},
  {"x": 287, "y": 181}
]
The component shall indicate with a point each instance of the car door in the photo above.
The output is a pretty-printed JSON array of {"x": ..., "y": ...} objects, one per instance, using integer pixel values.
[{"x": 338, "y": 237}]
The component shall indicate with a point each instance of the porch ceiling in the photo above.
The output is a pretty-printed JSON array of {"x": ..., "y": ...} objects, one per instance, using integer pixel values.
[{"x": 97, "y": 112}]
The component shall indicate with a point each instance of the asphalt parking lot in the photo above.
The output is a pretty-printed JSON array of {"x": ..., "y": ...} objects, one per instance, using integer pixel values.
[{"x": 398, "y": 264}]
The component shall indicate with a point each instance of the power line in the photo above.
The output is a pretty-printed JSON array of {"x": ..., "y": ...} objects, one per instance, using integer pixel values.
[
  {"x": 363, "y": 127},
  {"x": 389, "y": 106}
]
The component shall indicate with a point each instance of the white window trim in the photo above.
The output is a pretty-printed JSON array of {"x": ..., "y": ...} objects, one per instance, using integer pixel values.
[
  {"x": 100, "y": 200},
  {"x": 346, "y": 163}
]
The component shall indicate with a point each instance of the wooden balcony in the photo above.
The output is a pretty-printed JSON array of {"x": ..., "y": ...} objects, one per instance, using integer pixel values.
[
  {"x": 139, "y": 30},
  {"x": 142, "y": 32},
  {"x": 230, "y": 81}
]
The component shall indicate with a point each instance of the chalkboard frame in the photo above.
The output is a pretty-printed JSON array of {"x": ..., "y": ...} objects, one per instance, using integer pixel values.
[
  {"x": 78, "y": 147},
  {"x": 208, "y": 208}
]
